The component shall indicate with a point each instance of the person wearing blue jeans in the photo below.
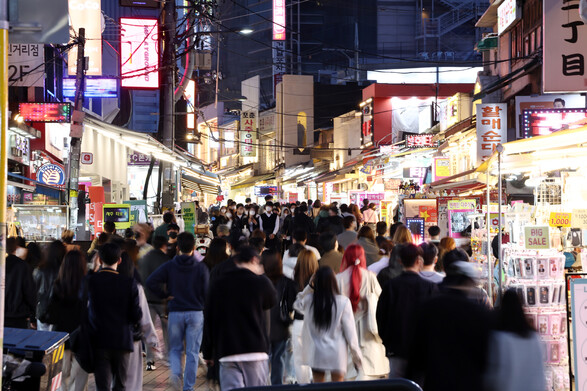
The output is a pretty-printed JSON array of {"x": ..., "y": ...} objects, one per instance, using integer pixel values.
[
  {"x": 184, "y": 282},
  {"x": 185, "y": 326}
]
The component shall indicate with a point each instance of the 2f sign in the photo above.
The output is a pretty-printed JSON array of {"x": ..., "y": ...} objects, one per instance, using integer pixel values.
[{"x": 536, "y": 238}]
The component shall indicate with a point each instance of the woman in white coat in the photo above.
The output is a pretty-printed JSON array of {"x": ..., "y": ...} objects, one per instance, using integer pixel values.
[
  {"x": 361, "y": 287},
  {"x": 328, "y": 319}
]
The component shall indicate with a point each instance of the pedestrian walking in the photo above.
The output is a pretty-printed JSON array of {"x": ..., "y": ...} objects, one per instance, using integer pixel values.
[
  {"x": 161, "y": 230},
  {"x": 301, "y": 221},
  {"x": 430, "y": 257},
  {"x": 445, "y": 245},
  {"x": 66, "y": 307},
  {"x": 44, "y": 276},
  {"x": 370, "y": 216},
  {"x": 281, "y": 313},
  {"x": 157, "y": 308},
  {"x": 401, "y": 237},
  {"x": 235, "y": 322},
  {"x": 361, "y": 287},
  {"x": 305, "y": 268},
  {"x": 396, "y": 310},
  {"x": 451, "y": 333},
  {"x": 349, "y": 235},
  {"x": 185, "y": 281},
  {"x": 328, "y": 318},
  {"x": 331, "y": 256},
  {"x": 366, "y": 239},
  {"x": 114, "y": 309},
  {"x": 21, "y": 297},
  {"x": 385, "y": 249},
  {"x": 515, "y": 358},
  {"x": 354, "y": 208}
]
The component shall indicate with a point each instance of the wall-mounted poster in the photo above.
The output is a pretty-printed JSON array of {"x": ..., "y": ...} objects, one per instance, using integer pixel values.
[{"x": 458, "y": 223}]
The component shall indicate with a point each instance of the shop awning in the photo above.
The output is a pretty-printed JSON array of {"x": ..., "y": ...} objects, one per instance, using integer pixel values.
[
  {"x": 233, "y": 170},
  {"x": 461, "y": 186},
  {"x": 199, "y": 185},
  {"x": 450, "y": 179},
  {"x": 252, "y": 181}
]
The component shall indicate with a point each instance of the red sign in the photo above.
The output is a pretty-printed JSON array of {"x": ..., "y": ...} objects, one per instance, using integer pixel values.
[
  {"x": 87, "y": 158},
  {"x": 139, "y": 53},
  {"x": 420, "y": 141},
  {"x": 45, "y": 112},
  {"x": 95, "y": 217},
  {"x": 279, "y": 20},
  {"x": 428, "y": 213},
  {"x": 220, "y": 198}
]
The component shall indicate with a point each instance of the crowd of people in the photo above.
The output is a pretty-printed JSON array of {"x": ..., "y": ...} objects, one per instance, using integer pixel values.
[{"x": 286, "y": 293}]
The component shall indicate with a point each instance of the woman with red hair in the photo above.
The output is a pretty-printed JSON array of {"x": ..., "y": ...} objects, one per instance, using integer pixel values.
[{"x": 361, "y": 287}]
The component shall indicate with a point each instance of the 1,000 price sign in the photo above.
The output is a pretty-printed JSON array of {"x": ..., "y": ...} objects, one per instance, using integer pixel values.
[{"x": 560, "y": 220}]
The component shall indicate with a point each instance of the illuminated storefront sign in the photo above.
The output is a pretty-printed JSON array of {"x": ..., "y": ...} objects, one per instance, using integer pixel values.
[
  {"x": 420, "y": 141},
  {"x": 45, "y": 112},
  {"x": 547, "y": 121},
  {"x": 279, "y": 20},
  {"x": 248, "y": 133},
  {"x": 139, "y": 53},
  {"x": 190, "y": 97},
  {"x": 94, "y": 88},
  {"x": 507, "y": 14}
]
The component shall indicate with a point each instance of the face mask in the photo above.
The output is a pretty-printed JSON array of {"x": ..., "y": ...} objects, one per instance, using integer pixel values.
[
  {"x": 222, "y": 210},
  {"x": 173, "y": 235},
  {"x": 268, "y": 210},
  {"x": 293, "y": 210},
  {"x": 252, "y": 212},
  {"x": 229, "y": 215}
]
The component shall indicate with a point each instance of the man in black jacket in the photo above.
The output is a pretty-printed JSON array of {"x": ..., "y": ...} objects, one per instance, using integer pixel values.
[
  {"x": 147, "y": 265},
  {"x": 113, "y": 306},
  {"x": 235, "y": 322},
  {"x": 21, "y": 294},
  {"x": 301, "y": 221},
  {"x": 400, "y": 299}
]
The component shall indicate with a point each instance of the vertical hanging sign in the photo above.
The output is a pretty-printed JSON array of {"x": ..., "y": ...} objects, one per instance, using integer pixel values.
[
  {"x": 279, "y": 20},
  {"x": 491, "y": 128},
  {"x": 248, "y": 133},
  {"x": 86, "y": 14},
  {"x": 565, "y": 41}
]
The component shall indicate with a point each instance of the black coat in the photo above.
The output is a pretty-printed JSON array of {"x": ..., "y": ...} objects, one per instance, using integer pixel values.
[
  {"x": 44, "y": 279},
  {"x": 393, "y": 270},
  {"x": 147, "y": 265},
  {"x": 113, "y": 309},
  {"x": 235, "y": 320},
  {"x": 450, "y": 350},
  {"x": 288, "y": 289},
  {"x": 20, "y": 292},
  {"x": 302, "y": 221},
  {"x": 400, "y": 299}
]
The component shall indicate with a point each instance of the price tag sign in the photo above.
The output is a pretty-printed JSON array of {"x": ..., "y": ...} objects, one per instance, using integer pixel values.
[
  {"x": 560, "y": 220},
  {"x": 536, "y": 238},
  {"x": 579, "y": 218}
]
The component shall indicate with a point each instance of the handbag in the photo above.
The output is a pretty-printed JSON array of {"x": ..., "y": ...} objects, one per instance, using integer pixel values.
[{"x": 284, "y": 310}]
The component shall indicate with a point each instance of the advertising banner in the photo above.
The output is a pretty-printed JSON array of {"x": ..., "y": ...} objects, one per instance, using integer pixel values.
[
  {"x": 24, "y": 61},
  {"x": 549, "y": 101},
  {"x": 440, "y": 168},
  {"x": 139, "y": 53},
  {"x": 188, "y": 212},
  {"x": 138, "y": 211},
  {"x": 86, "y": 14},
  {"x": 536, "y": 238},
  {"x": 458, "y": 210}
]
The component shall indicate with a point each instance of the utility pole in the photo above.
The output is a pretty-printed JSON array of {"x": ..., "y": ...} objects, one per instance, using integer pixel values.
[
  {"x": 3, "y": 159},
  {"x": 168, "y": 102},
  {"x": 77, "y": 131}
]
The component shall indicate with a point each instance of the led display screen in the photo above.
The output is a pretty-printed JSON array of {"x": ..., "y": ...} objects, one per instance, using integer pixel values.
[
  {"x": 139, "y": 53},
  {"x": 547, "y": 121},
  {"x": 45, "y": 112},
  {"x": 94, "y": 88}
]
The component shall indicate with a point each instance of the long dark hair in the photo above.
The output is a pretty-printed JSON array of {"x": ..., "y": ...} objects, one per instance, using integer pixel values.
[
  {"x": 71, "y": 274},
  {"x": 216, "y": 253},
  {"x": 511, "y": 315},
  {"x": 55, "y": 254},
  {"x": 323, "y": 303}
]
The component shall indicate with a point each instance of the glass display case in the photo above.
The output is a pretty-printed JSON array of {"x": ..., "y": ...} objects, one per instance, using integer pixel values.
[{"x": 41, "y": 222}]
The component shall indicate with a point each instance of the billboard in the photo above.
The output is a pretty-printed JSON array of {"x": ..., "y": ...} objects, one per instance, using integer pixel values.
[
  {"x": 190, "y": 96},
  {"x": 139, "y": 53},
  {"x": 24, "y": 65},
  {"x": 279, "y": 20},
  {"x": 565, "y": 41},
  {"x": 86, "y": 14},
  {"x": 507, "y": 13},
  {"x": 94, "y": 88},
  {"x": 547, "y": 121},
  {"x": 571, "y": 101}
]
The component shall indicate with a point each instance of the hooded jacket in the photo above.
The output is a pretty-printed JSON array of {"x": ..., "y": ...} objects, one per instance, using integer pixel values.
[{"x": 186, "y": 280}]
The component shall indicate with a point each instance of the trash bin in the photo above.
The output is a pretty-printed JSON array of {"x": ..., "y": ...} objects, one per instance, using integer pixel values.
[{"x": 46, "y": 347}]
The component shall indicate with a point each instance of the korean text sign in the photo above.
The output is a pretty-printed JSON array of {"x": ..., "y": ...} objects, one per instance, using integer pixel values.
[
  {"x": 248, "y": 133},
  {"x": 279, "y": 20},
  {"x": 491, "y": 128},
  {"x": 565, "y": 41}
]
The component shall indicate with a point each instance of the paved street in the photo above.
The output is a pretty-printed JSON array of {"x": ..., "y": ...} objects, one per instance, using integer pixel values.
[{"x": 157, "y": 380}]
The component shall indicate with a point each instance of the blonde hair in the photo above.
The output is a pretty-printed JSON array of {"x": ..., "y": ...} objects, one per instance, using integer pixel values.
[
  {"x": 306, "y": 266},
  {"x": 402, "y": 235},
  {"x": 67, "y": 236},
  {"x": 446, "y": 245}
]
